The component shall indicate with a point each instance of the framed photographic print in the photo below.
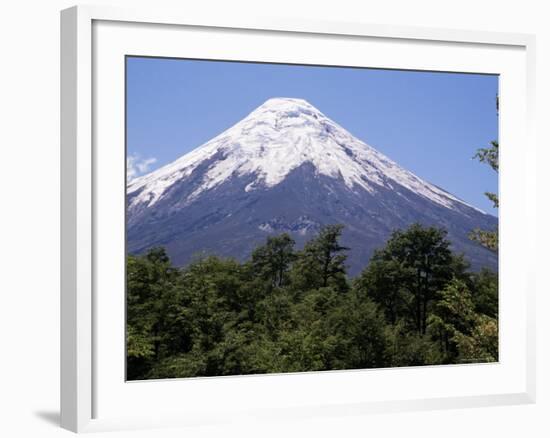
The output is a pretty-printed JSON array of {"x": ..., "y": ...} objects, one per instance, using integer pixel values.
[{"x": 280, "y": 218}]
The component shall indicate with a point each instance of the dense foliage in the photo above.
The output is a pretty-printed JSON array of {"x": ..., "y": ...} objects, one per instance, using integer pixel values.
[{"x": 288, "y": 310}]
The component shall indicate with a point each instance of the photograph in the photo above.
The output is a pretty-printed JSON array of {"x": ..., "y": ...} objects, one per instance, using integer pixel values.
[{"x": 289, "y": 218}]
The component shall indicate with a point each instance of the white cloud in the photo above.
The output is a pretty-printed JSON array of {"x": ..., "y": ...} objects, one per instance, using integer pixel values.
[{"x": 136, "y": 166}]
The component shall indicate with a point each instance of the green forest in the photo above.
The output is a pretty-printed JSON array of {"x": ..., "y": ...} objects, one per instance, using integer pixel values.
[{"x": 290, "y": 310}]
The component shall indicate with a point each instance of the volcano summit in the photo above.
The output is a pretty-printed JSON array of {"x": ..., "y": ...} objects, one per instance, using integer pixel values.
[{"x": 286, "y": 167}]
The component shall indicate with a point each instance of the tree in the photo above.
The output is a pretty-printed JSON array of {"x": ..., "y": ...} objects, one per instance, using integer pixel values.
[
  {"x": 463, "y": 334},
  {"x": 272, "y": 260},
  {"x": 405, "y": 275},
  {"x": 152, "y": 298},
  {"x": 322, "y": 261},
  {"x": 384, "y": 281},
  {"x": 485, "y": 292},
  {"x": 453, "y": 313},
  {"x": 481, "y": 345},
  {"x": 408, "y": 348},
  {"x": 213, "y": 300},
  {"x": 360, "y": 327},
  {"x": 489, "y": 155}
]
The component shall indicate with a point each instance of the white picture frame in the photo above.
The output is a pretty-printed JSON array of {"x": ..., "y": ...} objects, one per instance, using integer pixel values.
[{"x": 90, "y": 392}]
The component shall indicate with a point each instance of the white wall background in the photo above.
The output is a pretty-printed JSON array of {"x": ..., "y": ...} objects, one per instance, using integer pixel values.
[{"x": 29, "y": 215}]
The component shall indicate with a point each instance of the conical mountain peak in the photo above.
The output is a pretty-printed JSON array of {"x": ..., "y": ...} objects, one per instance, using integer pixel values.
[{"x": 278, "y": 137}]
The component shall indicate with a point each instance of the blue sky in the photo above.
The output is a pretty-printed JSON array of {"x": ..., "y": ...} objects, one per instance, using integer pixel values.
[{"x": 430, "y": 123}]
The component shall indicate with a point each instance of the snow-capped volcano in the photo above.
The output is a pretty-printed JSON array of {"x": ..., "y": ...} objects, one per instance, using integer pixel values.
[
  {"x": 289, "y": 153},
  {"x": 276, "y": 138}
]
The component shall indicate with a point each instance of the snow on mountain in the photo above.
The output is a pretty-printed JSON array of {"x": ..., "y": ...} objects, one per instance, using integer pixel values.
[
  {"x": 276, "y": 138},
  {"x": 287, "y": 168}
]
